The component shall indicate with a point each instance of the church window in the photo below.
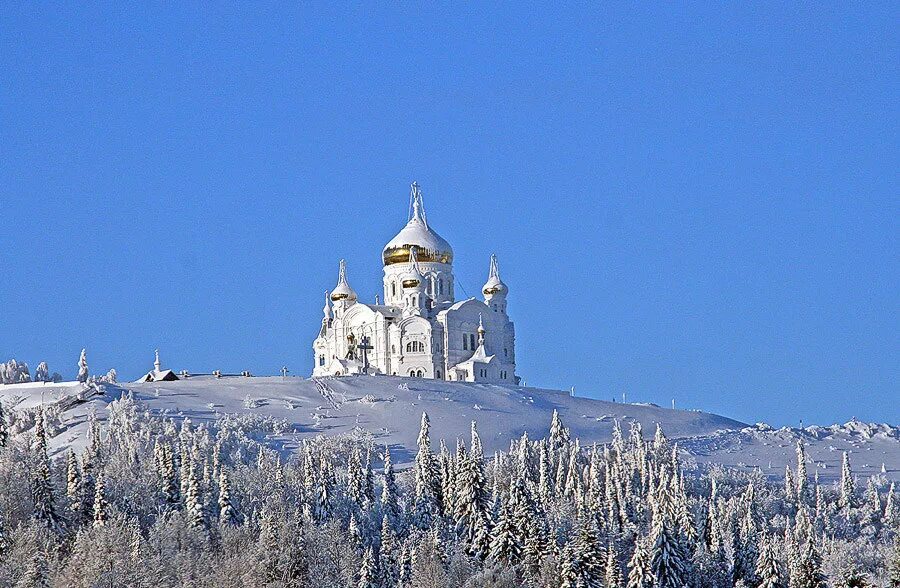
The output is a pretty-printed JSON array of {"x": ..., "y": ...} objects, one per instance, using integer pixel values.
[
  {"x": 393, "y": 349},
  {"x": 465, "y": 342},
  {"x": 321, "y": 360},
  {"x": 408, "y": 347},
  {"x": 421, "y": 347},
  {"x": 393, "y": 288},
  {"x": 505, "y": 352},
  {"x": 441, "y": 286},
  {"x": 412, "y": 373},
  {"x": 472, "y": 340},
  {"x": 419, "y": 374},
  {"x": 438, "y": 374}
]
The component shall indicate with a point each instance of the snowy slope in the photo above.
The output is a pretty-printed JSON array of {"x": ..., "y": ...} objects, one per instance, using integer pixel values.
[
  {"x": 389, "y": 409},
  {"x": 870, "y": 446}
]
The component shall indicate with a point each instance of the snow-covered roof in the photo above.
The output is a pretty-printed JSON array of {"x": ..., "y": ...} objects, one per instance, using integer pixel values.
[{"x": 159, "y": 376}]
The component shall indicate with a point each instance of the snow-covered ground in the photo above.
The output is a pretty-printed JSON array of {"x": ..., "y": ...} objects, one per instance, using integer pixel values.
[
  {"x": 389, "y": 409},
  {"x": 873, "y": 449}
]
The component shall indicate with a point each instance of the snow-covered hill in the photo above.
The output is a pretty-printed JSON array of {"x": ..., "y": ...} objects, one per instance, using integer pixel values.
[{"x": 285, "y": 410}]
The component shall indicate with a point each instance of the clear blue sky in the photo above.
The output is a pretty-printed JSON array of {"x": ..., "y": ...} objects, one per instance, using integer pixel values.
[{"x": 697, "y": 202}]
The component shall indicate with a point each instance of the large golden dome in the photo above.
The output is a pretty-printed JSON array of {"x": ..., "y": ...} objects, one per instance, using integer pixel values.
[{"x": 430, "y": 247}]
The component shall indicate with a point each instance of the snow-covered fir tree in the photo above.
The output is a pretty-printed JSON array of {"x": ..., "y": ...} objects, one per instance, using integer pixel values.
[
  {"x": 848, "y": 485},
  {"x": 83, "y": 373}
]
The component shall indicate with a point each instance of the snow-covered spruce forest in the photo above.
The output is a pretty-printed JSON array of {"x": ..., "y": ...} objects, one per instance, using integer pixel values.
[{"x": 152, "y": 503}]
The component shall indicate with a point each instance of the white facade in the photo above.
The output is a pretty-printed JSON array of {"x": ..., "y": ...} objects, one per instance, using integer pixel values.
[{"x": 420, "y": 330}]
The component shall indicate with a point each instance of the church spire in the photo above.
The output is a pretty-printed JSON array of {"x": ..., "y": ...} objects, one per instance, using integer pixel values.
[
  {"x": 418, "y": 207},
  {"x": 494, "y": 271},
  {"x": 343, "y": 291},
  {"x": 156, "y": 364}
]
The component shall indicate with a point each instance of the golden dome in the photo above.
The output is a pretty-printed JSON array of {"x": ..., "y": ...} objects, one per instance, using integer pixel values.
[
  {"x": 430, "y": 247},
  {"x": 400, "y": 254},
  {"x": 343, "y": 291}
]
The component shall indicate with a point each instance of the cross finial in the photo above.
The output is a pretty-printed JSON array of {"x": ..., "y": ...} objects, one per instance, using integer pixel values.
[
  {"x": 342, "y": 272},
  {"x": 418, "y": 207},
  {"x": 494, "y": 271}
]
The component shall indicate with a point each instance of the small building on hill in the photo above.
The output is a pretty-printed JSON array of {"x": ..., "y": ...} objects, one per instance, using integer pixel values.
[{"x": 157, "y": 374}]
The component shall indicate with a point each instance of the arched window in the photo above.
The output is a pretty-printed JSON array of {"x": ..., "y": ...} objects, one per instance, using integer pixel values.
[
  {"x": 441, "y": 286},
  {"x": 409, "y": 347},
  {"x": 321, "y": 360},
  {"x": 393, "y": 288},
  {"x": 412, "y": 373},
  {"x": 419, "y": 374},
  {"x": 438, "y": 374}
]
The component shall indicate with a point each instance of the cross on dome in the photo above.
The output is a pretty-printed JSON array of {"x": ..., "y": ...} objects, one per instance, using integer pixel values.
[
  {"x": 343, "y": 291},
  {"x": 418, "y": 206}
]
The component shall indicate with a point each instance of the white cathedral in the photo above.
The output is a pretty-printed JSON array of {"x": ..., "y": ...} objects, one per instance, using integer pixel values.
[{"x": 420, "y": 330}]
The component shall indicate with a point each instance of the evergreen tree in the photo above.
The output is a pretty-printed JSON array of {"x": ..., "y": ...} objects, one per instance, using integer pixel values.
[
  {"x": 613, "y": 577},
  {"x": 355, "y": 482},
  {"x": 83, "y": 367},
  {"x": 472, "y": 519},
  {"x": 4, "y": 428},
  {"x": 545, "y": 480},
  {"x": 746, "y": 551},
  {"x": 389, "y": 488},
  {"x": 354, "y": 533},
  {"x": 588, "y": 561},
  {"x": 768, "y": 570},
  {"x": 227, "y": 515},
  {"x": 667, "y": 558},
  {"x": 42, "y": 374},
  {"x": 848, "y": 488},
  {"x": 790, "y": 489},
  {"x": 325, "y": 489},
  {"x": 368, "y": 481},
  {"x": 426, "y": 496},
  {"x": 559, "y": 434},
  {"x": 640, "y": 569},
  {"x": 807, "y": 571},
  {"x": 503, "y": 546},
  {"x": 873, "y": 503},
  {"x": 73, "y": 484},
  {"x": 802, "y": 482},
  {"x": 100, "y": 508},
  {"x": 41, "y": 485},
  {"x": 368, "y": 573},
  {"x": 196, "y": 512},
  {"x": 168, "y": 477},
  {"x": 387, "y": 555},
  {"x": 890, "y": 507}
]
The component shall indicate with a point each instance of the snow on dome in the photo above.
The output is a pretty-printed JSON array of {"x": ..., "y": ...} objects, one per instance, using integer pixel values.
[
  {"x": 430, "y": 247},
  {"x": 413, "y": 277},
  {"x": 343, "y": 291}
]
